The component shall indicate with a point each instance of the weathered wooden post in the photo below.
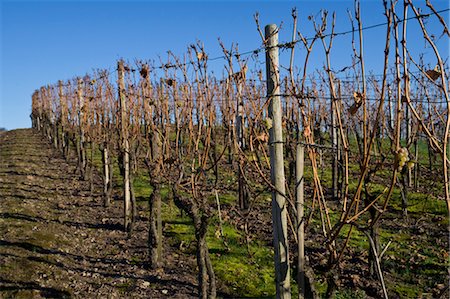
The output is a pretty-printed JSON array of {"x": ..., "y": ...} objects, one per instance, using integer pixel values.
[
  {"x": 54, "y": 118},
  {"x": 417, "y": 166},
  {"x": 299, "y": 165},
  {"x": 80, "y": 144},
  {"x": 279, "y": 207},
  {"x": 35, "y": 110},
  {"x": 106, "y": 182},
  {"x": 63, "y": 120},
  {"x": 406, "y": 94},
  {"x": 40, "y": 101},
  {"x": 242, "y": 188},
  {"x": 239, "y": 117},
  {"x": 48, "y": 113},
  {"x": 125, "y": 146},
  {"x": 409, "y": 175},
  {"x": 334, "y": 145},
  {"x": 391, "y": 109}
]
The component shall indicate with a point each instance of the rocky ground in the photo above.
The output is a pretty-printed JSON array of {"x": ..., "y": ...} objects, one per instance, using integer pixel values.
[{"x": 58, "y": 241}]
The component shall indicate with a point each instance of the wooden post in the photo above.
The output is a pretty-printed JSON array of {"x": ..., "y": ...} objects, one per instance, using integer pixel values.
[
  {"x": 299, "y": 165},
  {"x": 406, "y": 95},
  {"x": 38, "y": 104},
  {"x": 61, "y": 116},
  {"x": 408, "y": 139},
  {"x": 55, "y": 119},
  {"x": 125, "y": 147},
  {"x": 42, "y": 110},
  {"x": 159, "y": 231},
  {"x": 279, "y": 207},
  {"x": 106, "y": 182},
  {"x": 334, "y": 145},
  {"x": 47, "y": 114},
  {"x": 391, "y": 109},
  {"x": 63, "y": 105},
  {"x": 33, "y": 109},
  {"x": 82, "y": 152},
  {"x": 416, "y": 167},
  {"x": 239, "y": 116},
  {"x": 242, "y": 188},
  {"x": 340, "y": 153}
]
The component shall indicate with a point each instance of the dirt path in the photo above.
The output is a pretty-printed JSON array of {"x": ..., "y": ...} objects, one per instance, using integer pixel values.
[{"x": 56, "y": 239}]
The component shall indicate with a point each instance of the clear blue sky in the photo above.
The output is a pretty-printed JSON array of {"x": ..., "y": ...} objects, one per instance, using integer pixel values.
[{"x": 44, "y": 41}]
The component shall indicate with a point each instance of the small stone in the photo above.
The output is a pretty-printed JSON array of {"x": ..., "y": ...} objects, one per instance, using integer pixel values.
[
  {"x": 165, "y": 292},
  {"x": 145, "y": 284}
]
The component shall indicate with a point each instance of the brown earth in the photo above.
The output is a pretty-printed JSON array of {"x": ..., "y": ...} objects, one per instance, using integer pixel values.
[{"x": 58, "y": 241}]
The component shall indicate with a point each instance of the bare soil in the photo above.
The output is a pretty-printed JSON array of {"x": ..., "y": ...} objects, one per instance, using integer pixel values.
[{"x": 58, "y": 241}]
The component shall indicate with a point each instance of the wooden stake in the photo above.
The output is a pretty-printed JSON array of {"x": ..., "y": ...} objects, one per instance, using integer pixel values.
[
  {"x": 63, "y": 118},
  {"x": 125, "y": 147},
  {"x": 299, "y": 165},
  {"x": 279, "y": 207},
  {"x": 82, "y": 154},
  {"x": 334, "y": 145}
]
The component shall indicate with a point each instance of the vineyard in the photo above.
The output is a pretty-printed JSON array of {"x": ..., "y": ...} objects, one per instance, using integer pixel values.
[{"x": 269, "y": 180}]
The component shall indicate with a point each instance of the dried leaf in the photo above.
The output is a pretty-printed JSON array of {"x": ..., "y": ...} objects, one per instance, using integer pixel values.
[
  {"x": 262, "y": 137},
  {"x": 434, "y": 74},
  {"x": 143, "y": 72},
  {"x": 170, "y": 81},
  {"x": 268, "y": 123},
  {"x": 358, "y": 97},
  {"x": 353, "y": 108},
  {"x": 201, "y": 55}
]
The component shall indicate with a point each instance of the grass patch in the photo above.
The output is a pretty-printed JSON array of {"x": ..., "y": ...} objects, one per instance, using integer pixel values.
[
  {"x": 124, "y": 287},
  {"x": 44, "y": 239},
  {"x": 420, "y": 203},
  {"x": 404, "y": 290},
  {"x": 245, "y": 274},
  {"x": 350, "y": 294}
]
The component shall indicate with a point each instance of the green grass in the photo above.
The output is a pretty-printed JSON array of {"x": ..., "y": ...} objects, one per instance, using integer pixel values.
[
  {"x": 244, "y": 274},
  {"x": 124, "y": 287},
  {"x": 349, "y": 294},
  {"x": 135, "y": 260},
  {"x": 424, "y": 203}
]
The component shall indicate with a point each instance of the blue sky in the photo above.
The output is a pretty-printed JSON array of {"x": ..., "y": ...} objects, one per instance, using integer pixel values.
[{"x": 44, "y": 41}]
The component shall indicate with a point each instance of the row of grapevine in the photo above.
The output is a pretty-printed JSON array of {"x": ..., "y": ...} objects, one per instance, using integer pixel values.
[{"x": 190, "y": 129}]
